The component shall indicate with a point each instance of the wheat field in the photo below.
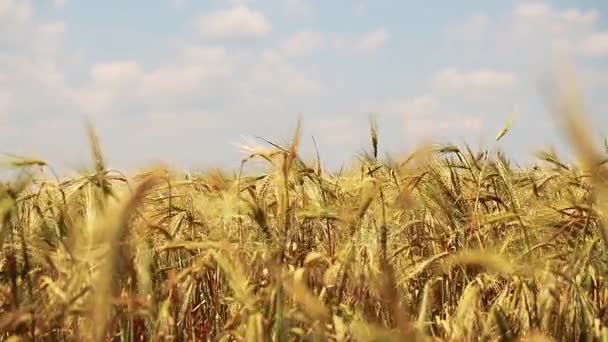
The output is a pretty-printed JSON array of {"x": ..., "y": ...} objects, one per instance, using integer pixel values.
[{"x": 445, "y": 243}]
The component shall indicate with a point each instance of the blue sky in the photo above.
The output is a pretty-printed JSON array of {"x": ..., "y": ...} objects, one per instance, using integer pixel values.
[{"x": 187, "y": 81}]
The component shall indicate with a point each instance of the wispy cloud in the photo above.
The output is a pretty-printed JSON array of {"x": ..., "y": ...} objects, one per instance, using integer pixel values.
[
  {"x": 6, "y": 100},
  {"x": 452, "y": 79},
  {"x": 250, "y": 65},
  {"x": 373, "y": 40},
  {"x": 417, "y": 107},
  {"x": 359, "y": 9},
  {"x": 473, "y": 27},
  {"x": 303, "y": 43},
  {"x": 426, "y": 117},
  {"x": 59, "y": 4},
  {"x": 544, "y": 11},
  {"x": 341, "y": 128},
  {"x": 538, "y": 28},
  {"x": 15, "y": 11},
  {"x": 298, "y": 7},
  {"x": 422, "y": 128},
  {"x": 115, "y": 72},
  {"x": 238, "y": 21},
  {"x": 595, "y": 45}
]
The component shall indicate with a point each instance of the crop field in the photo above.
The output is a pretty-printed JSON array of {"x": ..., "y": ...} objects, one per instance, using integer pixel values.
[{"x": 444, "y": 243}]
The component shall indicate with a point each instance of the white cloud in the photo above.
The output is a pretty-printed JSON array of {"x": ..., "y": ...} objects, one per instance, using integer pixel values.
[
  {"x": 359, "y": 9},
  {"x": 19, "y": 11},
  {"x": 418, "y": 107},
  {"x": 544, "y": 11},
  {"x": 425, "y": 128},
  {"x": 59, "y": 4},
  {"x": 201, "y": 65},
  {"x": 454, "y": 80},
  {"x": 168, "y": 118},
  {"x": 48, "y": 75},
  {"x": 576, "y": 16},
  {"x": 33, "y": 60},
  {"x": 52, "y": 29},
  {"x": 286, "y": 80},
  {"x": 178, "y": 4},
  {"x": 474, "y": 27},
  {"x": 93, "y": 100},
  {"x": 240, "y": 85},
  {"x": 592, "y": 77},
  {"x": 45, "y": 38},
  {"x": 569, "y": 30},
  {"x": 425, "y": 117},
  {"x": 595, "y": 45},
  {"x": 533, "y": 10},
  {"x": 304, "y": 42},
  {"x": 538, "y": 28},
  {"x": 297, "y": 7},
  {"x": 127, "y": 84},
  {"x": 6, "y": 100},
  {"x": 23, "y": 35},
  {"x": 173, "y": 80},
  {"x": 115, "y": 72},
  {"x": 236, "y": 22},
  {"x": 205, "y": 54},
  {"x": 341, "y": 127},
  {"x": 16, "y": 23},
  {"x": 373, "y": 40},
  {"x": 199, "y": 75},
  {"x": 541, "y": 18},
  {"x": 111, "y": 83}
]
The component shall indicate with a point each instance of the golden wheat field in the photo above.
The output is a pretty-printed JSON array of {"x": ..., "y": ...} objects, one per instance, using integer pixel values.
[{"x": 445, "y": 243}]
